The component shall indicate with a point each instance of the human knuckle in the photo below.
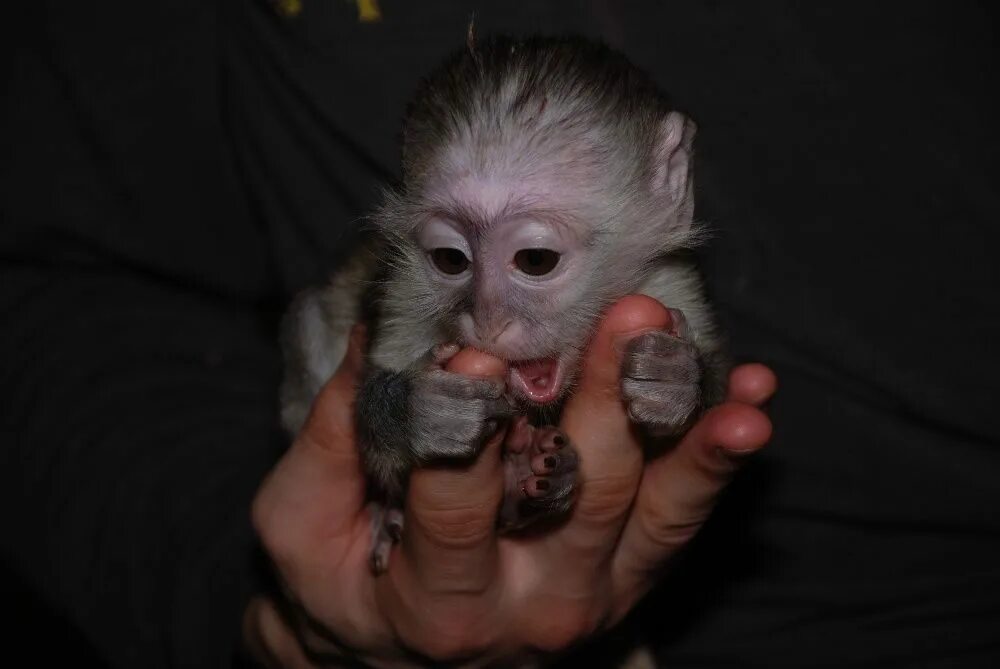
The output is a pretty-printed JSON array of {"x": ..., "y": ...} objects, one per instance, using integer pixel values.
[
  {"x": 445, "y": 646},
  {"x": 445, "y": 635},
  {"x": 606, "y": 498},
  {"x": 265, "y": 520},
  {"x": 714, "y": 467},
  {"x": 571, "y": 626},
  {"x": 456, "y": 527},
  {"x": 667, "y": 527}
]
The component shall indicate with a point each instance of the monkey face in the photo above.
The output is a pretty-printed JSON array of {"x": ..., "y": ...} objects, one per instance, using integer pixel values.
[
  {"x": 515, "y": 287},
  {"x": 523, "y": 231}
]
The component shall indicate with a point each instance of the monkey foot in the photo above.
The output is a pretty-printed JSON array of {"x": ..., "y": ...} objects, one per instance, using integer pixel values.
[
  {"x": 540, "y": 469},
  {"x": 387, "y": 528}
]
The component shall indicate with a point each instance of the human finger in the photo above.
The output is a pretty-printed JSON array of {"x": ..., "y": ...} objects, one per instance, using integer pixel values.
[
  {"x": 678, "y": 491},
  {"x": 752, "y": 383},
  {"x": 596, "y": 420},
  {"x": 449, "y": 543},
  {"x": 308, "y": 511},
  {"x": 269, "y": 639}
]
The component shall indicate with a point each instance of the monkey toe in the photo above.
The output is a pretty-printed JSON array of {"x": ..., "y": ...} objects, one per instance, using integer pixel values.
[
  {"x": 393, "y": 524},
  {"x": 550, "y": 496},
  {"x": 549, "y": 439},
  {"x": 520, "y": 434},
  {"x": 378, "y": 558},
  {"x": 386, "y": 530},
  {"x": 541, "y": 480},
  {"x": 544, "y": 463}
]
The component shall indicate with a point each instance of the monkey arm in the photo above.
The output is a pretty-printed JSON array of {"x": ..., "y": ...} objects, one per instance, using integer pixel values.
[{"x": 384, "y": 427}]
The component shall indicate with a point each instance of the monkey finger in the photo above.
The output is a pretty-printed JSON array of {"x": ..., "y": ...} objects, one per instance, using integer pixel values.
[{"x": 678, "y": 491}]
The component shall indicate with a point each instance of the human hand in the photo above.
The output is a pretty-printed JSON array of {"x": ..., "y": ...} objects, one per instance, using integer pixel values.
[{"x": 455, "y": 590}]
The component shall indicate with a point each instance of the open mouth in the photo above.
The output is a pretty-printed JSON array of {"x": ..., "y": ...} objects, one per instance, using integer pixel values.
[{"x": 539, "y": 381}]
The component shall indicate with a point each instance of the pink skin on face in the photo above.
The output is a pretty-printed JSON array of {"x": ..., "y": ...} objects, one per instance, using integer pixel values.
[{"x": 509, "y": 227}]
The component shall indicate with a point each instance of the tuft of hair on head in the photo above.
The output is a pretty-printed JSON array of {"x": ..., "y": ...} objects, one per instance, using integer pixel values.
[
  {"x": 583, "y": 87},
  {"x": 558, "y": 105},
  {"x": 470, "y": 41}
]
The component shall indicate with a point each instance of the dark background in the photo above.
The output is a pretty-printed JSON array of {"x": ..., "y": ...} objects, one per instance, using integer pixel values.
[{"x": 173, "y": 172}]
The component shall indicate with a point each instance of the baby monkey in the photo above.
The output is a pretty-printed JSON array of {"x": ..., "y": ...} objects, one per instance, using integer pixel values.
[{"x": 543, "y": 180}]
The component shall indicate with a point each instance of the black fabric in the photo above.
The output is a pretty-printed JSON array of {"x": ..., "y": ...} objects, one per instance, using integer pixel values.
[{"x": 173, "y": 172}]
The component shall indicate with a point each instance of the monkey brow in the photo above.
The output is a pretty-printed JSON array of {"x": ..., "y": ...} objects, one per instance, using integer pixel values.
[{"x": 474, "y": 217}]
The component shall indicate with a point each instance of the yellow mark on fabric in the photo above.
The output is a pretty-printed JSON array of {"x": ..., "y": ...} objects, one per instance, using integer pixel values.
[
  {"x": 368, "y": 11},
  {"x": 288, "y": 8}
]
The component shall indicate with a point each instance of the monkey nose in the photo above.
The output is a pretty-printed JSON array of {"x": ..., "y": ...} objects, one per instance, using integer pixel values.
[
  {"x": 490, "y": 332},
  {"x": 508, "y": 339}
]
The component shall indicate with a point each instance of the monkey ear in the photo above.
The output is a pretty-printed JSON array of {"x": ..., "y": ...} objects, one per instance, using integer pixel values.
[{"x": 673, "y": 156}]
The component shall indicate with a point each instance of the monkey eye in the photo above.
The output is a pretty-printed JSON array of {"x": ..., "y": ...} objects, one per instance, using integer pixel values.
[
  {"x": 450, "y": 261},
  {"x": 536, "y": 262}
]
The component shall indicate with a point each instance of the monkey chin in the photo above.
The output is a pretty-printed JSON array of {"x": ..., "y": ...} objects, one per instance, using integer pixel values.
[{"x": 539, "y": 381}]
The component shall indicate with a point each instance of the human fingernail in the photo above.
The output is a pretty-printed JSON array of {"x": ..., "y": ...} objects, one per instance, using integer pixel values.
[{"x": 735, "y": 456}]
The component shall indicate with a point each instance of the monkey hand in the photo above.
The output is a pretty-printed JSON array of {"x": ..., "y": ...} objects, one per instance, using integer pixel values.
[
  {"x": 662, "y": 378},
  {"x": 452, "y": 415},
  {"x": 420, "y": 415},
  {"x": 425, "y": 413},
  {"x": 455, "y": 590}
]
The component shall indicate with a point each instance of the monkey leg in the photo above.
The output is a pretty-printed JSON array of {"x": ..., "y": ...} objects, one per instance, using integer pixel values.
[
  {"x": 662, "y": 379},
  {"x": 540, "y": 468}
]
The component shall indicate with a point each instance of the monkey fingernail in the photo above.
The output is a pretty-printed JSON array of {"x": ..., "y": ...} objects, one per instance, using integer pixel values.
[
  {"x": 542, "y": 484},
  {"x": 442, "y": 353},
  {"x": 550, "y": 462}
]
